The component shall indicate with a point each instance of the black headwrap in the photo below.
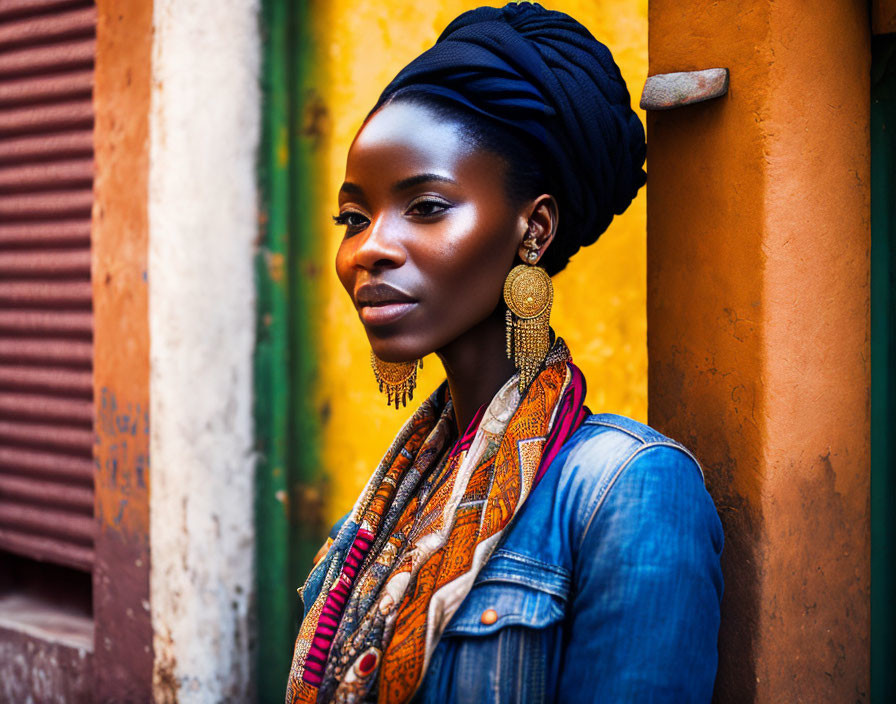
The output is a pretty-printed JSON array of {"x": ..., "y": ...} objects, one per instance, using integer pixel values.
[{"x": 545, "y": 77}]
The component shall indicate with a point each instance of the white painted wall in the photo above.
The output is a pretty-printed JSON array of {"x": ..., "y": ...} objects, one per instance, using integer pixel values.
[{"x": 202, "y": 215}]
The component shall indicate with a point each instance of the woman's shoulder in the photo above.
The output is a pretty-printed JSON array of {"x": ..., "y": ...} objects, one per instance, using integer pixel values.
[
  {"x": 606, "y": 442},
  {"x": 616, "y": 466},
  {"x": 616, "y": 469}
]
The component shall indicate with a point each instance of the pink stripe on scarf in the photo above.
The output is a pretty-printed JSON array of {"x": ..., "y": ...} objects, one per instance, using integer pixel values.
[
  {"x": 569, "y": 417},
  {"x": 331, "y": 612}
]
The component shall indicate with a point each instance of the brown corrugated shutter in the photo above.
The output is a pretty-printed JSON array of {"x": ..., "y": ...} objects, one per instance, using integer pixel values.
[{"x": 46, "y": 177}]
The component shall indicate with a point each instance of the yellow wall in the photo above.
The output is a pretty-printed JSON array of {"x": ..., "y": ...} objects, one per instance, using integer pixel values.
[{"x": 600, "y": 298}]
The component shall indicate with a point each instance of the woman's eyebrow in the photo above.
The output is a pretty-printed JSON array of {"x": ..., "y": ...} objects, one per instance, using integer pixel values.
[
  {"x": 353, "y": 189},
  {"x": 419, "y": 179},
  {"x": 350, "y": 188}
]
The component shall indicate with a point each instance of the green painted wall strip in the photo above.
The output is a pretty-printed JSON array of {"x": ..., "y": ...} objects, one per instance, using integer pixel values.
[
  {"x": 883, "y": 368},
  {"x": 307, "y": 135},
  {"x": 276, "y": 612},
  {"x": 288, "y": 500}
]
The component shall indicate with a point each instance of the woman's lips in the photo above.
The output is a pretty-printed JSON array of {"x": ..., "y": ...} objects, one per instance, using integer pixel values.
[
  {"x": 381, "y": 304},
  {"x": 385, "y": 313}
]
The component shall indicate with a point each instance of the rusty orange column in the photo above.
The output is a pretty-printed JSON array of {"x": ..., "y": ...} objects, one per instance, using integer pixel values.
[
  {"x": 758, "y": 326},
  {"x": 123, "y": 639}
]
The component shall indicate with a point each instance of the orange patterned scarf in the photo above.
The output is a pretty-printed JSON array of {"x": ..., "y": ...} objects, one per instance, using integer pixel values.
[{"x": 425, "y": 524}]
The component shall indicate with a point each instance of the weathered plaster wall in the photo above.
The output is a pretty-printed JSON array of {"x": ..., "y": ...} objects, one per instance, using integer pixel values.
[
  {"x": 758, "y": 302},
  {"x": 204, "y": 128},
  {"x": 599, "y": 304}
]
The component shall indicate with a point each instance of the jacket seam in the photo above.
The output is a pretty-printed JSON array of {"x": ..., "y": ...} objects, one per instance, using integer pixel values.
[
  {"x": 606, "y": 488},
  {"x": 532, "y": 561},
  {"x": 560, "y": 591},
  {"x": 686, "y": 451},
  {"x": 554, "y": 580},
  {"x": 621, "y": 429}
]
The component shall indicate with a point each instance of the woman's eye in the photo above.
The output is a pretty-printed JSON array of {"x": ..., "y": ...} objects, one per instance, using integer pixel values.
[
  {"x": 351, "y": 220},
  {"x": 428, "y": 208}
]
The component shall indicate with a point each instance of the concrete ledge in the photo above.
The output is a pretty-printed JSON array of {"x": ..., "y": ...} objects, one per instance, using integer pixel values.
[{"x": 46, "y": 652}]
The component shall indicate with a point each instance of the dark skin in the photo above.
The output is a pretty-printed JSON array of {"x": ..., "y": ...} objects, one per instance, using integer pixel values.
[{"x": 430, "y": 235}]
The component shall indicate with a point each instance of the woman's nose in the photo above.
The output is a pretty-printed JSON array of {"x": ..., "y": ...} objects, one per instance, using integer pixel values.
[{"x": 378, "y": 246}]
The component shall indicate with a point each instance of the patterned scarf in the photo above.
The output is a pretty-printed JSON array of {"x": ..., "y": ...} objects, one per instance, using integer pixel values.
[{"x": 425, "y": 524}]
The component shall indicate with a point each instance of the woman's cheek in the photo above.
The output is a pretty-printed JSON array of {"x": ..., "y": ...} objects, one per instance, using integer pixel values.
[
  {"x": 343, "y": 267},
  {"x": 476, "y": 238}
]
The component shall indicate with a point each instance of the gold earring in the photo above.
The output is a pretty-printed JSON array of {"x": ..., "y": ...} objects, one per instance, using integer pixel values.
[
  {"x": 528, "y": 294},
  {"x": 397, "y": 379}
]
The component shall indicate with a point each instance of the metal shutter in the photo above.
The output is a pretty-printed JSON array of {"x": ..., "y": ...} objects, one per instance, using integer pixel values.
[{"x": 46, "y": 321}]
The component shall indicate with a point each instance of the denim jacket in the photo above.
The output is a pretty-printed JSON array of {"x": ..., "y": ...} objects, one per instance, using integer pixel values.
[{"x": 606, "y": 586}]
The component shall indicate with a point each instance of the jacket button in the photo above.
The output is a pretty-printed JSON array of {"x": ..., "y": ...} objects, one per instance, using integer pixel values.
[{"x": 489, "y": 616}]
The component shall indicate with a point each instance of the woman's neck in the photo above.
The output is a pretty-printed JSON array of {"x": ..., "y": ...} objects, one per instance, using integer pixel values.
[{"x": 476, "y": 365}]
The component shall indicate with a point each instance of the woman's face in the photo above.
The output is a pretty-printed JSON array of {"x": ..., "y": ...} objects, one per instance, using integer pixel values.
[{"x": 430, "y": 232}]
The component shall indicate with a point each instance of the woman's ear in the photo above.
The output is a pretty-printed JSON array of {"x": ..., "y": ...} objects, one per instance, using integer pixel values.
[{"x": 541, "y": 228}]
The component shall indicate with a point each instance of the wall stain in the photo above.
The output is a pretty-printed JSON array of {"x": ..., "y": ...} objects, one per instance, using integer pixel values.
[{"x": 121, "y": 455}]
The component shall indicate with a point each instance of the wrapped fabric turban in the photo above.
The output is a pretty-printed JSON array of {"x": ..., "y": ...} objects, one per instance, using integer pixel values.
[{"x": 547, "y": 79}]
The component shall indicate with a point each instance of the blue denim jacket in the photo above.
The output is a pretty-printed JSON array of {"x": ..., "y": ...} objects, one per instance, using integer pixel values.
[{"x": 606, "y": 586}]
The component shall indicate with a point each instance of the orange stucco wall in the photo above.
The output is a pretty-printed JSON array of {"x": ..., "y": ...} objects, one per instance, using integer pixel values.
[
  {"x": 122, "y": 657},
  {"x": 758, "y": 328}
]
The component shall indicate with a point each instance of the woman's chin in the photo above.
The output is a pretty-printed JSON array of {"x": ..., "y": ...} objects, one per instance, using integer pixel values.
[{"x": 395, "y": 351}]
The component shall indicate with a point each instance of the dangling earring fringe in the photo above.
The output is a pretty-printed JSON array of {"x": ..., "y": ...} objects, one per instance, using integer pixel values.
[
  {"x": 396, "y": 379},
  {"x": 528, "y": 294}
]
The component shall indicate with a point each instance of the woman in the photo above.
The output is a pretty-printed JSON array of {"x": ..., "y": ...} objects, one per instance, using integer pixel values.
[{"x": 511, "y": 546}]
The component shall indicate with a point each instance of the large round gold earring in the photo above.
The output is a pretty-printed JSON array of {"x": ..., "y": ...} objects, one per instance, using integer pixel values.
[
  {"x": 528, "y": 294},
  {"x": 396, "y": 379}
]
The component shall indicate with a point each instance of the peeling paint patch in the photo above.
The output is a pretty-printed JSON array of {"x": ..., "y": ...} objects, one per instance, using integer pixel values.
[
  {"x": 164, "y": 679},
  {"x": 276, "y": 266},
  {"x": 121, "y": 459}
]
